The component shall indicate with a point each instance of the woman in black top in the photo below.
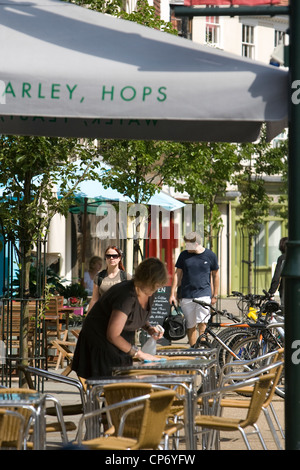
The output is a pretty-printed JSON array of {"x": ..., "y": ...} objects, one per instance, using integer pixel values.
[{"x": 107, "y": 336}]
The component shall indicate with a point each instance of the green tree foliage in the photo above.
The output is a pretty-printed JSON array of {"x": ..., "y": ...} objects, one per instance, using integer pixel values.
[
  {"x": 135, "y": 167},
  {"x": 110, "y": 7},
  {"x": 258, "y": 160},
  {"x": 143, "y": 14},
  {"x": 146, "y": 15},
  {"x": 136, "y": 171},
  {"x": 202, "y": 170},
  {"x": 29, "y": 169}
]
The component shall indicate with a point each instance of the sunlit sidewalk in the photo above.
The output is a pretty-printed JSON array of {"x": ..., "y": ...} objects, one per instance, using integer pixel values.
[{"x": 229, "y": 441}]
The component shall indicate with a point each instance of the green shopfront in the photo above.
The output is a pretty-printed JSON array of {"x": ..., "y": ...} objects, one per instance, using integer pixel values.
[{"x": 252, "y": 265}]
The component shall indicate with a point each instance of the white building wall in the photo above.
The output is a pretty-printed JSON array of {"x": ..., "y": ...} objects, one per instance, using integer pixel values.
[
  {"x": 198, "y": 30},
  {"x": 223, "y": 255},
  {"x": 165, "y": 10},
  {"x": 231, "y": 42},
  {"x": 59, "y": 241},
  {"x": 231, "y": 34}
]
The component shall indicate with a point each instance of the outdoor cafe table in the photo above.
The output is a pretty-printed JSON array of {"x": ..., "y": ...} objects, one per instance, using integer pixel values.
[
  {"x": 202, "y": 363},
  {"x": 192, "y": 352},
  {"x": 205, "y": 353},
  {"x": 35, "y": 402},
  {"x": 207, "y": 370},
  {"x": 95, "y": 388},
  {"x": 188, "y": 381}
]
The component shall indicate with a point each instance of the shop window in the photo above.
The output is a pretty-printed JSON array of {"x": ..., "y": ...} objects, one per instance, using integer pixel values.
[{"x": 267, "y": 242}]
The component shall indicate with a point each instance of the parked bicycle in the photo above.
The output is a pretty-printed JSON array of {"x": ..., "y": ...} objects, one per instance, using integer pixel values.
[
  {"x": 263, "y": 341},
  {"x": 250, "y": 305},
  {"x": 218, "y": 334},
  {"x": 242, "y": 340}
]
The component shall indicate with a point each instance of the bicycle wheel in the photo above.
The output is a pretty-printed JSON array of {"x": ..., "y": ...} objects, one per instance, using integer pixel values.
[
  {"x": 247, "y": 348},
  {"x": 227, "y": 336},
  {"x": 280, "y": 389},
  {"x": 251, "y": 348}
]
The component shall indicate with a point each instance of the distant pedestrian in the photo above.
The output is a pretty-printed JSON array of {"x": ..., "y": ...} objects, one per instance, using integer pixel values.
[
  {"x": 112, "y": 274},
  {"x": 197, "y": 274},
  {"x": 95, "y": 266},
  {"x": 276, "y": 282}
]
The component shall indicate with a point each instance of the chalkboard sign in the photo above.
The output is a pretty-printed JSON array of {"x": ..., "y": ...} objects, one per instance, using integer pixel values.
[
  {"x": 160, "y": 309},
  {"x": 161, "y": 306}
]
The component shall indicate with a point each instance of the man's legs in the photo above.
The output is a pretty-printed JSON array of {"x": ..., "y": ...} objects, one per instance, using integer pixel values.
[
  {"x": 192, "y": 335},
  {"x": 201, "y": 328},
  {"x": 194, "y": 315}
]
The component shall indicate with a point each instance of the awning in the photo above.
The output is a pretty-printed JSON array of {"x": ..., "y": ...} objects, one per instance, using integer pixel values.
[{"x": 69, "y": 71}]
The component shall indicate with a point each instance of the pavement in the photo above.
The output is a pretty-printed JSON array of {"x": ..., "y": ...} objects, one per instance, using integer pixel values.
[{"x": 229, "y": 441}]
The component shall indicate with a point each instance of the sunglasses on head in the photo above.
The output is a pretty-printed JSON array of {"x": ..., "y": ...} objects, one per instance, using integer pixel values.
[{"x": 112, "y": 256}]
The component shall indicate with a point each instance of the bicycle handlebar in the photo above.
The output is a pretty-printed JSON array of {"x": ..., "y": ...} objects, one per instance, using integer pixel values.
[
  {"x": 236, "y": 294},
  {"x": 262, "y": 323},
  {"x": 248, "y": 297}
]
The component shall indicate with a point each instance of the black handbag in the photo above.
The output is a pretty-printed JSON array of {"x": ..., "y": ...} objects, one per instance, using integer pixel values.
[{"x": 174, "y": 324}]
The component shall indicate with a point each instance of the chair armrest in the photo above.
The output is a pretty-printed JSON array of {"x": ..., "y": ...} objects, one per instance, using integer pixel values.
[
  {"x": 250, "y": 373},
  {"x": 248, "y": 363},
  {"x": 217, "y": 392},
  {"x": 28, "y": 370},
  {"x": 242, "y": 380},
  {"x": 234, "y": 376}
]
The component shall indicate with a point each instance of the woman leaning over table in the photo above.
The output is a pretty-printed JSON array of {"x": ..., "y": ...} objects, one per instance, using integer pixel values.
[
  {"x": 113, "y": 274},
  {"x": 107, "y": 336}
]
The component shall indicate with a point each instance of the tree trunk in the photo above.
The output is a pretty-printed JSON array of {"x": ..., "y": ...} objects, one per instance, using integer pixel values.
[{"x": 25, "y": 314}]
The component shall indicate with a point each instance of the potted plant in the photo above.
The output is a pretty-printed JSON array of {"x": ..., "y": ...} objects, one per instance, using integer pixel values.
[{"x": 76, "y": 295}]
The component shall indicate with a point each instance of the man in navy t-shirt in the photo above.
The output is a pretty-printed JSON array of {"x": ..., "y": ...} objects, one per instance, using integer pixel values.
[{"x": 197, "y": 274}]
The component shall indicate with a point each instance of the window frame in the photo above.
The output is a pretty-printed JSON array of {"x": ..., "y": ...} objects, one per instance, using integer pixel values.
[
  {"x": 247, "y": 45},
  {"x": 213, "y": 23}
]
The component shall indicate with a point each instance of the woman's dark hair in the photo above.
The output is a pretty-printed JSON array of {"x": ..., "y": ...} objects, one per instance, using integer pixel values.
[
  {"x": 152, "y": 273},
  {"x": 282, "y": 244},
  {"x": 117, "y": 249}
]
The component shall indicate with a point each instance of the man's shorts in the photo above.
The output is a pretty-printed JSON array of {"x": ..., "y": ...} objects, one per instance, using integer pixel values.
[{"x": 195, "y": 313}]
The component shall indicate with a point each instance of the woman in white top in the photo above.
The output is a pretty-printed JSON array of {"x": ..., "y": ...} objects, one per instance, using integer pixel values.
[{"x": 113, "y": 274}]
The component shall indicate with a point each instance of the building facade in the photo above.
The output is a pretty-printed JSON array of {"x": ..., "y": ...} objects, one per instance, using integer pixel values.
[
  {"x": 261, "y": 39},
  {"x": 75, "y": 239}
]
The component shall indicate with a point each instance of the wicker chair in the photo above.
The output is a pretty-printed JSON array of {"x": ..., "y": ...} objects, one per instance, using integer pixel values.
[
  {"x": 115, "y": 393},
  {"x": 248, "y": 391},
  {"x": 176, "y": 416},
  {"x": 150, "y": 412},
  {"x": 12, "y": 429},
  {"x": 59, "y": 426},
  {"x": 208, "y": 423}
]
